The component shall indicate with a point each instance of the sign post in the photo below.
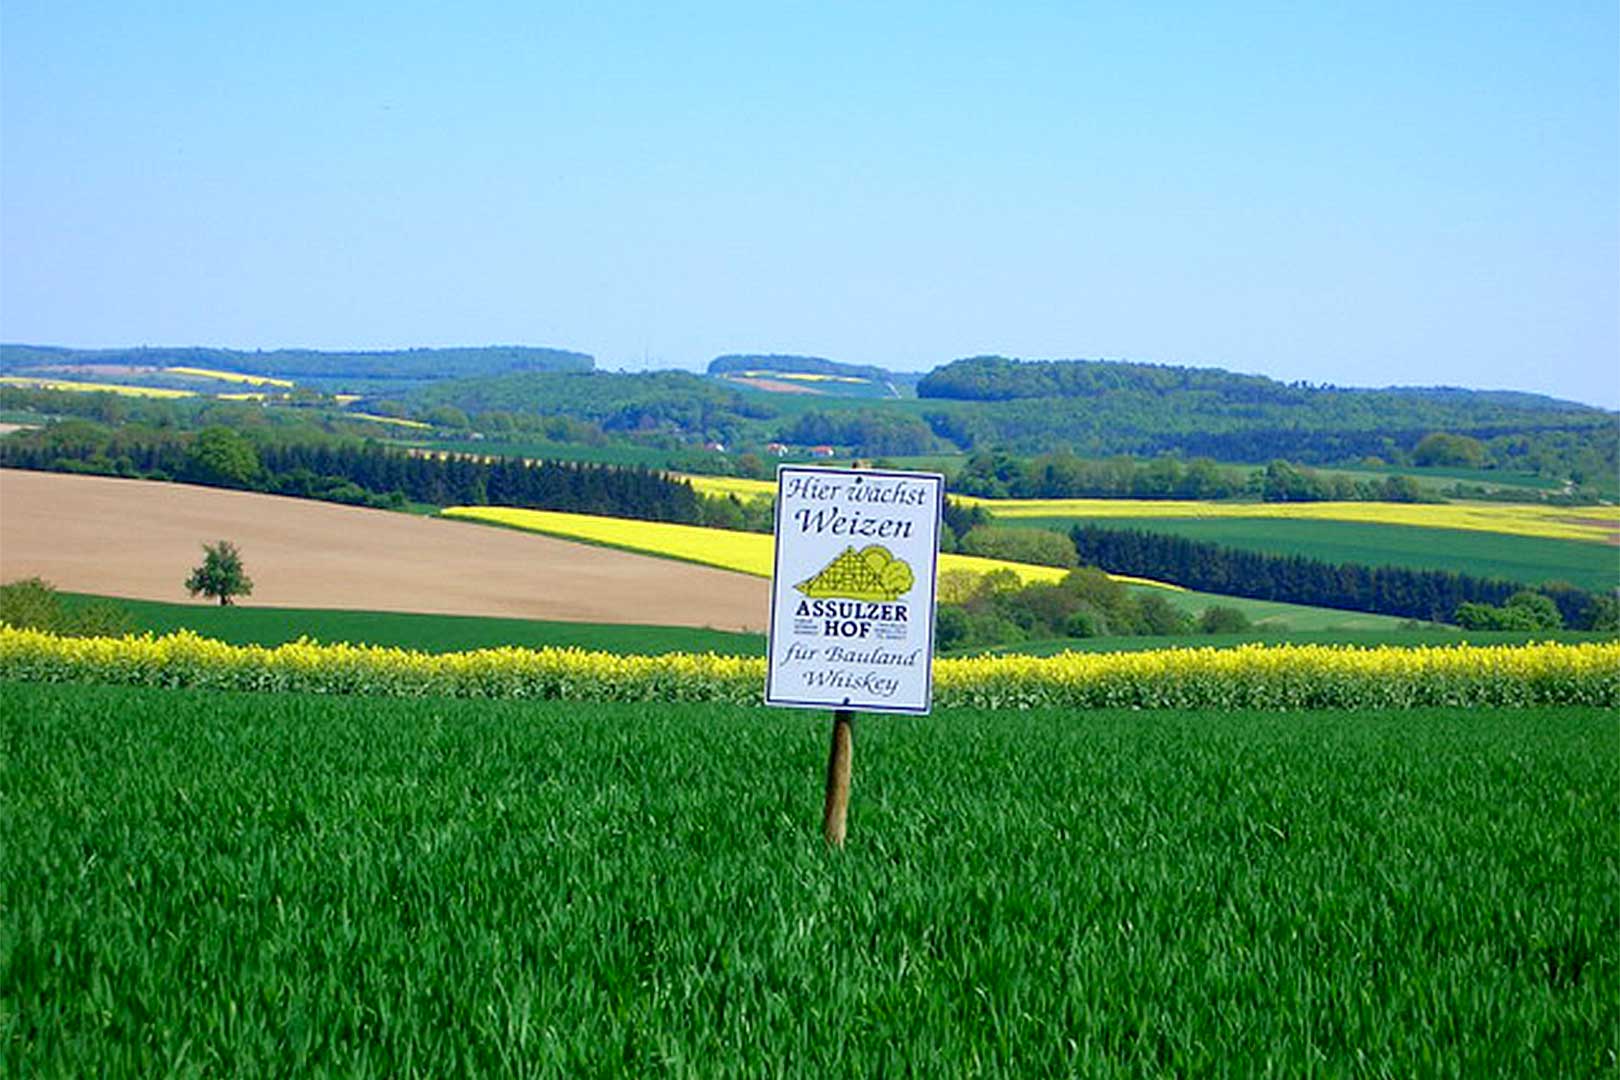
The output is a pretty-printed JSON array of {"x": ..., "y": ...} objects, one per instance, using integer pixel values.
[
  {"x": 835, "y": 807},
  {"x": 852, "y": 602}
]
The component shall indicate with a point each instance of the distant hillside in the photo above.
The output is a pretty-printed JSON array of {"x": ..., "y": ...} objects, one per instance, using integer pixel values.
[
  {"x": 305, "y": 365},
  {"x": 646, "y": 401},
  {"x": 1101, "y": 407},
  {"x": 813, "y": 374},
  {"x": 808, "y": 365},
  {"x": 998, "y": 378}
]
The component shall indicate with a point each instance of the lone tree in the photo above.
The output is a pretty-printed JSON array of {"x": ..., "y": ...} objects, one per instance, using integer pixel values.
[{"x": 220, "y": 574}]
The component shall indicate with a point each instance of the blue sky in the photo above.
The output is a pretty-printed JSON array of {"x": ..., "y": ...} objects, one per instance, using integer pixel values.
[{"x": 1364, "y": 194}]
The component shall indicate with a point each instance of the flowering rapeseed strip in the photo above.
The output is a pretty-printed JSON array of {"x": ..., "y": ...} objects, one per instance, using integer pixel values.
[
  {"x": 1589, "y": 523},
  {"x": 229, "y": 376},
  {"x": 745, "y": 552},
  {"x": 1597, "y": 524},
  {"x": 721, "y": 486},
  {"x": 1250, "y": 677},
  {"x": 76, "y": 386}
]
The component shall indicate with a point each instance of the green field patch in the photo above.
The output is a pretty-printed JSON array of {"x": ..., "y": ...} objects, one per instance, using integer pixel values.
[
  {"x": 616, "y": 453},
  {"x": 1270, "y": 615},
  {"x": 1527, "y": 559},
  {"x": 204, "y": 882},
  {"x": 241, "y": 625}
]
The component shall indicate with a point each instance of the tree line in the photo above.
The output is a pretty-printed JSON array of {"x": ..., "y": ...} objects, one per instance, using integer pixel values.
[
  {"x": 1063, "y": 475},
  {"x": 1295, "y": 579},
  {"x": 358, "y": 473}
]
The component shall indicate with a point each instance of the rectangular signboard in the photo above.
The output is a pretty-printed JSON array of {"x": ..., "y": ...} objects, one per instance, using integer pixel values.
[{"x": 852, "y": 592}]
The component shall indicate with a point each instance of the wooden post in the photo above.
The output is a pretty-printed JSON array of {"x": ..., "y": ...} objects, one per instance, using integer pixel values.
[{"x": 836, "y": 809}]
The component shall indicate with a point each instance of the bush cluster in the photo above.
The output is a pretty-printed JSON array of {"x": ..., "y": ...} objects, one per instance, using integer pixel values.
[{"x": 34, "y": 604}]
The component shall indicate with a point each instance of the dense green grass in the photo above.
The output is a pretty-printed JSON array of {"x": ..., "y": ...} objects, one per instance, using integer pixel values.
[
  {"x": 1527, "y": 559},
  {"x": 239, "y": 625},
  {"x": 284, "y": 885}
]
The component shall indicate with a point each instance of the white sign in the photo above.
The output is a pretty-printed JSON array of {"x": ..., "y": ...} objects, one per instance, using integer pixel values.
[{"x": 852, "y": 593}]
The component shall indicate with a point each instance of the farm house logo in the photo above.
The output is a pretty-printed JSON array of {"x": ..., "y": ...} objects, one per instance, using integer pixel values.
[
  {"x": 854, "y": 596},
  {"x": 873, "y": 573}
]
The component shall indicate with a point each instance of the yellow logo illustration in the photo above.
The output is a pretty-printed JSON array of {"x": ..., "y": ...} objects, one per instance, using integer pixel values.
[{"x": 873, "y": 573}]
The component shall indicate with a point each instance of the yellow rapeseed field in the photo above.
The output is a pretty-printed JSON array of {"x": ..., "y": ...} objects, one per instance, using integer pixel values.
[
  {"x": 94, "y": 388},
  {"x": 1251, "y": 677},
  {"x": 748, "y": 553},
  {"x": 229, "y": 376},
  {"x": 802, "y": 376},
  {"x": 1597, "y": 524},
  {"x": 385, "y": 420},
  {"x": 728, "y": 485},
  {"x": 1590, "y": 523}
]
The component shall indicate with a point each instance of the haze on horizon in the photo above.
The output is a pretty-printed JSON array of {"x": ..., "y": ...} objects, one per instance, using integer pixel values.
[{"x": 1381, "y": 197}]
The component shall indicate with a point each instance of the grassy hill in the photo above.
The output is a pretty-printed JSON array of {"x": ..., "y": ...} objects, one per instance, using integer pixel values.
[{"x": 374, "y": 369}]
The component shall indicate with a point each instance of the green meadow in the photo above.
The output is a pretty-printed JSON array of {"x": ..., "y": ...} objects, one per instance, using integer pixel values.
[
  {"x": 243, "y": 625},
  {"x": 1531, "y": 560},
  {"x": 1272, "y": 615}
]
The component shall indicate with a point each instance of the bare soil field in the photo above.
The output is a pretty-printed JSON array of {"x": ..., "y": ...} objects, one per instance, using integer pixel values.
[{"x": 139, "y": 539}]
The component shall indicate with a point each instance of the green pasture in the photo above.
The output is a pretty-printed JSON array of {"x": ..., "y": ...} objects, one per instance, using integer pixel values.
[
  {"x": 1273, "y": 616},
  {"x": 1438, "y": 477},
  {"x": 211, "y": 883},
  {"x": 242, "y": 625},
  {"x": 24, "y": 417},
  {"x": 612, "y": 453},
  {"x": 1527, "y": 559}
]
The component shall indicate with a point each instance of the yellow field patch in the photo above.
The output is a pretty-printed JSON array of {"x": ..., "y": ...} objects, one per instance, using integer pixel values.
[
  {"x": 229, "y": 376},
  {"x": 748, "y": 553},
  {"x": 744, "y": 552},
  {"x": 801, "y": 376},
  {"x": 244, "y": 395},
  {"x": 722, "y": 486},
  {"x": 387, "y": 420},
  {"x": 94, "y": 388},
  {"x": 1597, "y": 524}
]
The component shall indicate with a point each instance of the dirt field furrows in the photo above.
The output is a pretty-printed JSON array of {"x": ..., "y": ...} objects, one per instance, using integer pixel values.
[{"x": 140, "y": 539}]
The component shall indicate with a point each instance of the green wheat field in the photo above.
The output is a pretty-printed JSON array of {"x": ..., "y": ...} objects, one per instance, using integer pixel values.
[{"x": 202, "y": 883}]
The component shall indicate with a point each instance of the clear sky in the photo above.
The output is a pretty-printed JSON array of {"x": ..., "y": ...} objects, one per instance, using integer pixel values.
[{"x": 1362, "y": 194}]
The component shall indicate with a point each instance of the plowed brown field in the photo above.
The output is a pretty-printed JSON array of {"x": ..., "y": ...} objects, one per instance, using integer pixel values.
[{"x": 140, "y": 539}]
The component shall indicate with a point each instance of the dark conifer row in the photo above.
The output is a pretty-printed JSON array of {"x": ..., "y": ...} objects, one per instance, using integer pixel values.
[{"x": 374, "y": 474}]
